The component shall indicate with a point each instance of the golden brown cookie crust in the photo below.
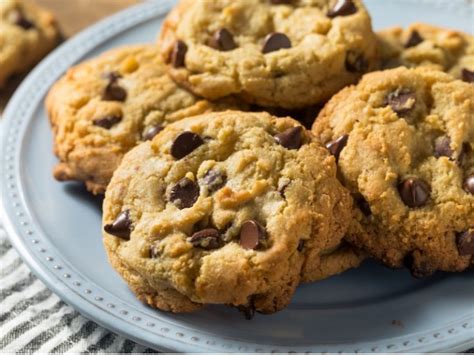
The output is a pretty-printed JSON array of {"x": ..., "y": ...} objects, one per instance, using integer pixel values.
[
  {"x": 390, "y": 142},
  {"x": 344, "y": 258},
  {"x": 426, "y": 45},
  {"x": 89, "y": 151},
  {"x": 325, "y": 55},
  {"x": 27, "y": 34},
  {"x": 292, "y": 193}
]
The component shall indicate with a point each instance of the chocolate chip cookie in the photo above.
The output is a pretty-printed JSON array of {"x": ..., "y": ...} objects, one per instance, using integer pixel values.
[
  {"x": 426, "y": 45},
  {"x": 290, "y": 54},
  {"x": 104, "y": 107},
  {"x": 225, "y": 208},
  {"x": 27, "y": 34},
  {"x": 404, "y": 140}
]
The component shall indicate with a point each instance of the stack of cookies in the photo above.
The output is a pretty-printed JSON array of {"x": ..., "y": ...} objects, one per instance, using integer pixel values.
[{"x": 216, "y": 191}]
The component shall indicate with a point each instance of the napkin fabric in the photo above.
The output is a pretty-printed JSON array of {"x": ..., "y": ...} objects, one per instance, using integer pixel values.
[{"x": 32, "y": 318}]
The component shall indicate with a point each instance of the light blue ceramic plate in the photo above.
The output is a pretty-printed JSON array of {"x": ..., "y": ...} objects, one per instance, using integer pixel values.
[{"x": 56, "y": 228}]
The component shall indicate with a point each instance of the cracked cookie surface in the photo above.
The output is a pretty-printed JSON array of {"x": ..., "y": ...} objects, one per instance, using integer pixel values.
[
  {"x": 425, "y": 45},
  {"x": 288, "y": 54},
  {"x": 105, "y": 106},
  {"x": 27, "y": 34},
  {"x": 226, "y": 208},
  {"x": 404, "y": 139}
]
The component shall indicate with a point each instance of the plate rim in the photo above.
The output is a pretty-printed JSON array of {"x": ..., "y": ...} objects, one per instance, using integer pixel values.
[{"x": 11, "y": 166}]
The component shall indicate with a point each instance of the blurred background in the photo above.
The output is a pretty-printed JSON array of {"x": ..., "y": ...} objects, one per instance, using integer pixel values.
[
  {"x": 72, "y": 16},
  {"x": 75, "y": 15}
]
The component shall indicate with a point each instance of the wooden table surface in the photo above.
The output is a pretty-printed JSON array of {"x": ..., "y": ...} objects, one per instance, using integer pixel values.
[{"x": 73, "y": 16}]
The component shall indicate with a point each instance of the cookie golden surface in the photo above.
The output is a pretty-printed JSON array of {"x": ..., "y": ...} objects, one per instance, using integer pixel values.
[
  {"x": 404, "y": 139},
  {"x": 288, "y": 54},
  {"x": 425, "y": 45},
  {"x": 105, "y": 106},
  {"x": 27, "y": 34},
  {"x": 226, "y": 208}
]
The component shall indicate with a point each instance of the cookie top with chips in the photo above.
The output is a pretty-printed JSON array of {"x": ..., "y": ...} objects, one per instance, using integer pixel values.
[
  {"x": 404, "y": 140},
  {"x": 105, "y": 106},
  {"x": 429, "y": 46},
  {"x": 291, "y": 53},
  {"x": 225, "y": 208}
]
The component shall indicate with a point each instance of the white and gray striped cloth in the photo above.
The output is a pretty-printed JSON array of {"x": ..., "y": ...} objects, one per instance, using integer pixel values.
[{"x": 33, "y": 319}]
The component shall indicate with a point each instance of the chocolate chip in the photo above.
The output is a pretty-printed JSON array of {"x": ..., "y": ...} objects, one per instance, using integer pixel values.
[
  {"x": 300, "y": 245},
  {"x": 401, "y": 101},
  {"x": 121, "y": 227},
  {"x": 223, "y": 40},
  {"x": 151, "y": 132},
  {"x": 469, "y": 184},
  {"x": 154, "y": 252},
  {"x": 290, "y": 138},
  {"x": 275, "y": 41},
  {"x": 342, "y": 8},
  {"x": 465, "y": 242},
  {"x": 418, "y": 271},
  {"x": 214, "y": 180},
  {"x": 414, "y": 40},
  {"x": 281, "y": 2},
  {"x": 114, "y": 92},
  {"x": 414, "y": 192},
  {"x": 252, "y": 234},
  {"x": 20, "y": 20},
  {"x": 443, "y": 147},
  {"x": 356, "y": 62},
  {"x": 248, "y": 311},
  {"x": 178, "y": 55},
  {"x": 467, "y": 76},
  {"x": 185, "y": 143},
  {"x": 185, "y": 193},
  {"x": 107, "y": 122},
  {"x": 208, "y": 239},
  {"x": 363, "y": 205},
  {"x": 335, "y": 147},
  {"x": 465, "y": 148}
]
